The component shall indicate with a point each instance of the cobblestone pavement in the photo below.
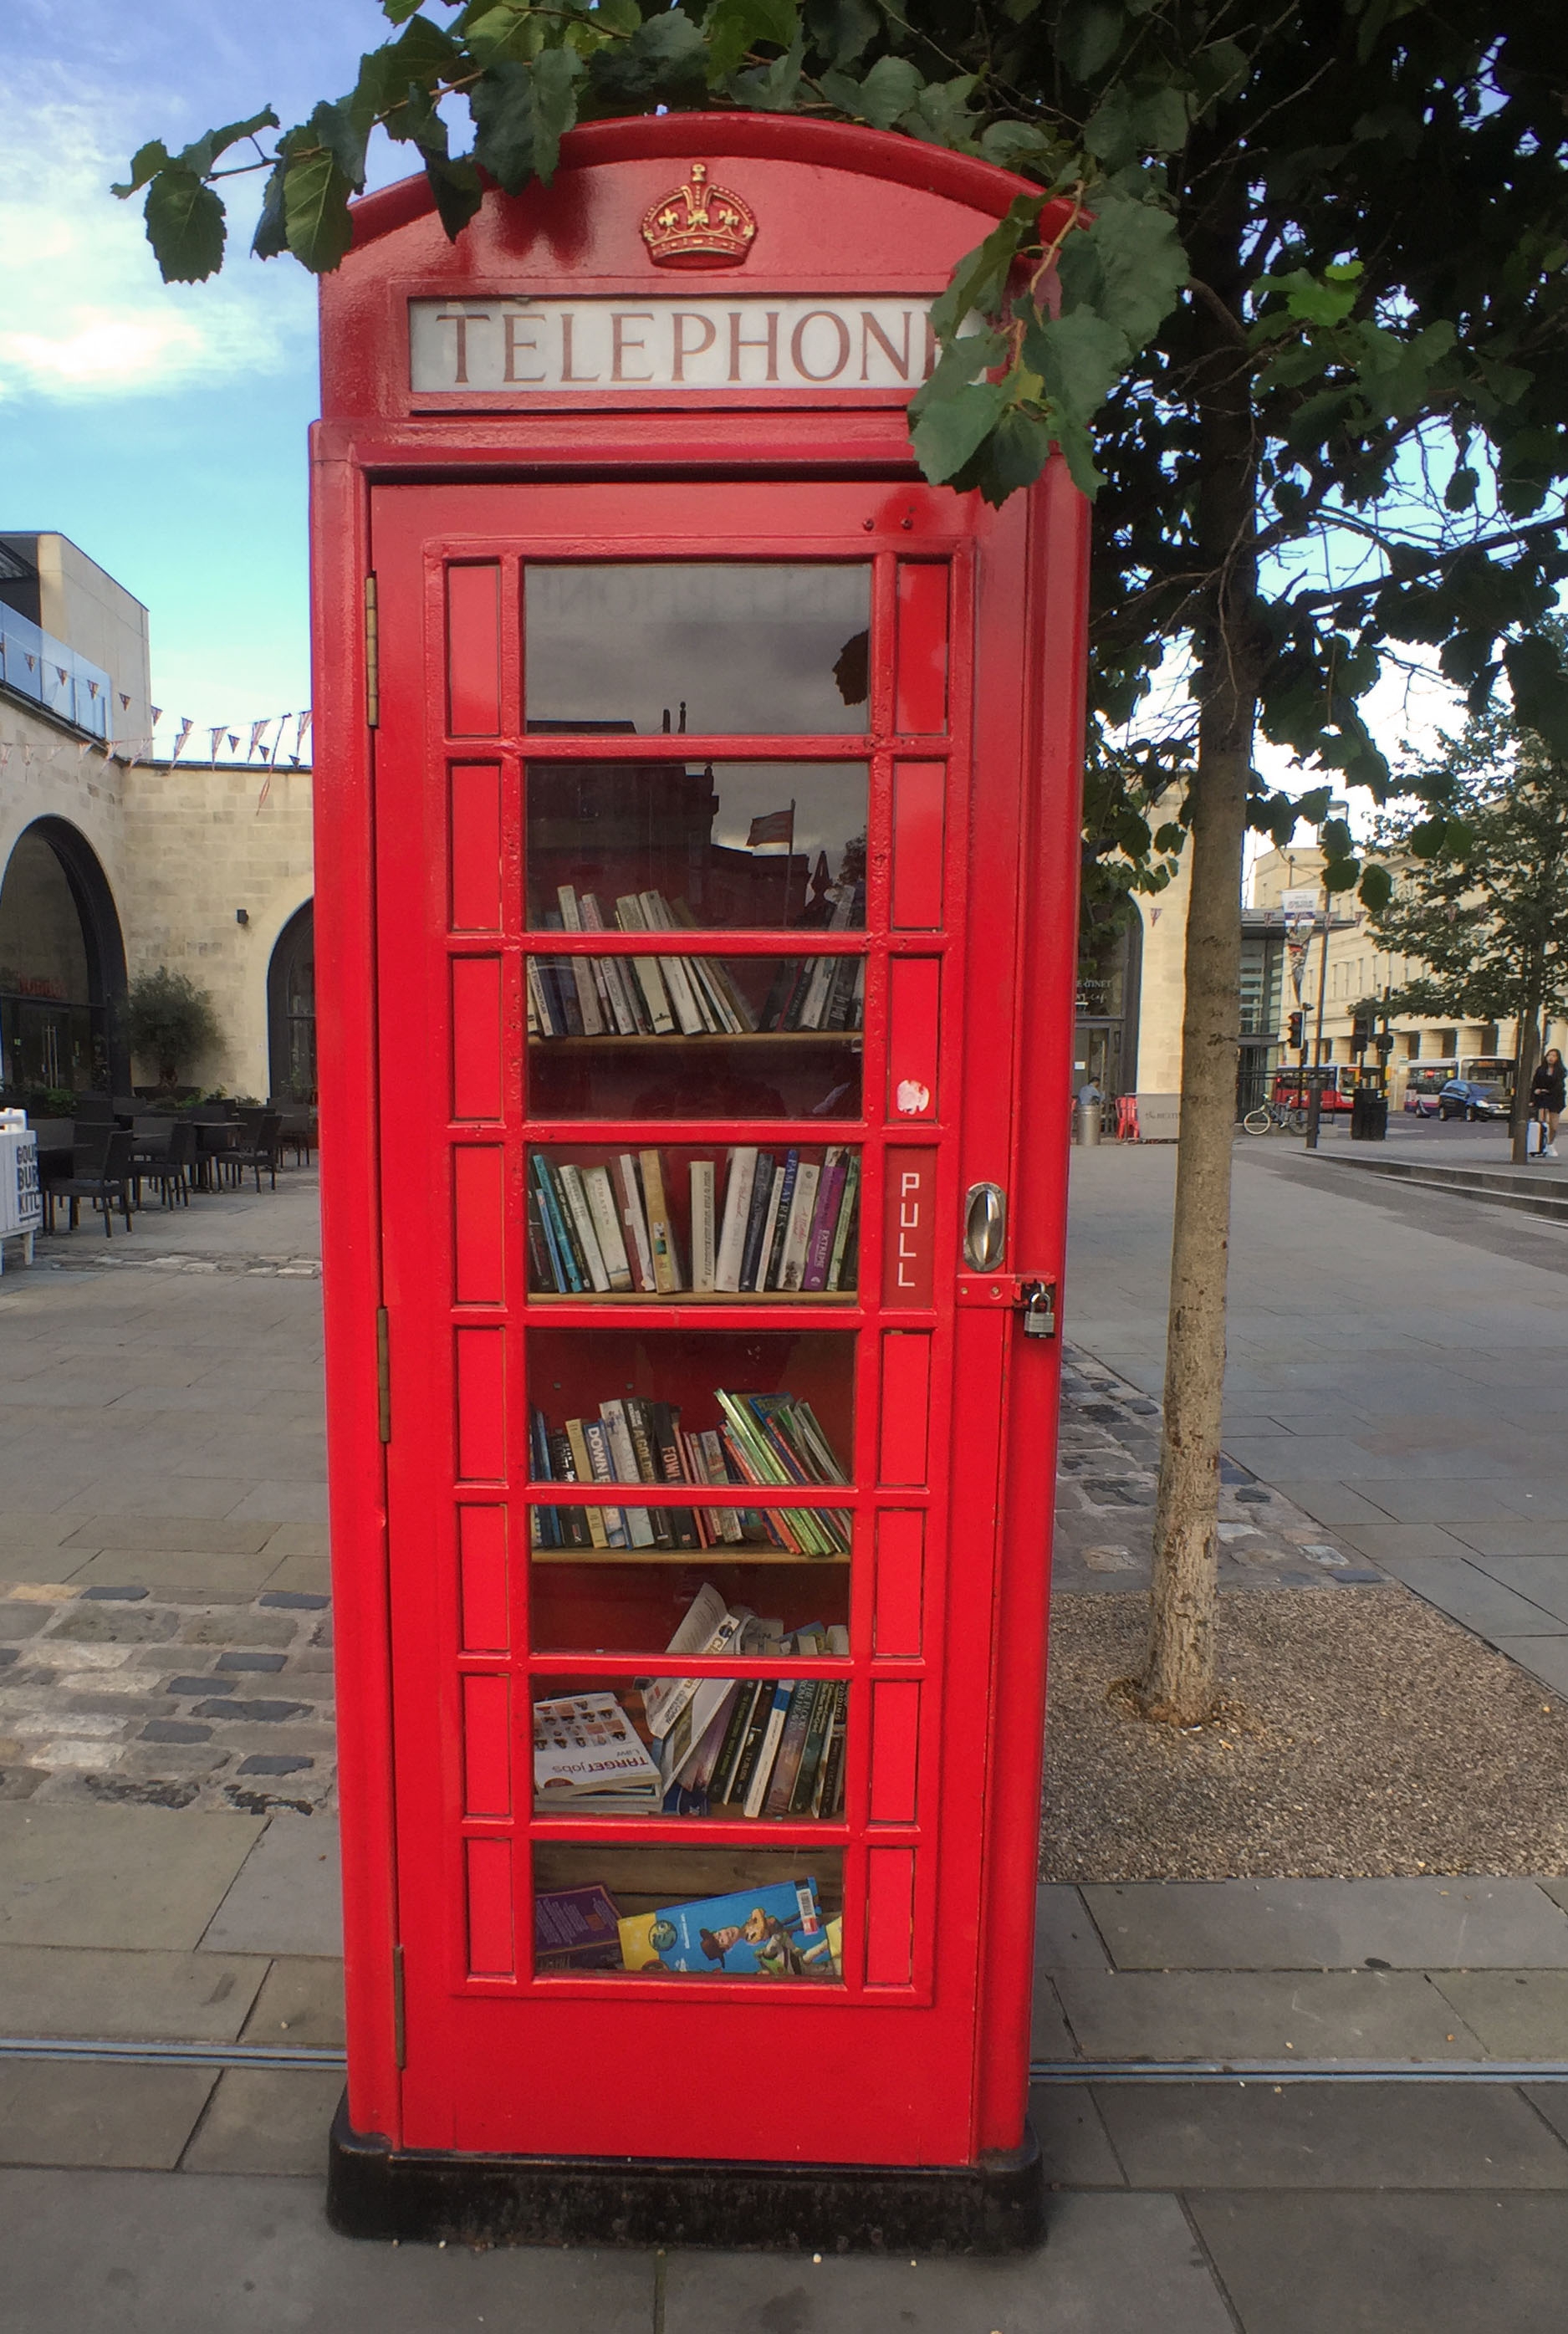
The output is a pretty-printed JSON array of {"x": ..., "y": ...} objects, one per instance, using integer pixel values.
[{"x": 1106, "y": 1477}]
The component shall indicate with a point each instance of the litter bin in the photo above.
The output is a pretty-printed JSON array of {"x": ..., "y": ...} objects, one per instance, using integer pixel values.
[
  {"x": 1086, "y": 1122},
  {"x": 1369, "y": 1116}
]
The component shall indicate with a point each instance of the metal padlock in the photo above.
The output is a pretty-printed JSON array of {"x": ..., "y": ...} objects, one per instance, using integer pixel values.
[{"x": 1037, "y": 1303}]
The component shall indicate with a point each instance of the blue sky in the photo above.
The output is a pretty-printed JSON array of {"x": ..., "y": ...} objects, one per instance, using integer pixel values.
[{"x": 163, "y": 429}]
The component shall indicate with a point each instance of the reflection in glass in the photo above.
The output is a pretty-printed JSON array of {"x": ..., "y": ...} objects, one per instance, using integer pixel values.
[
  {"x": 662, "y": 1911},
  {"x": 649, "y": 845},
  {"x": 707, "y": 1220},
  {"x": 721, "y": 648}
]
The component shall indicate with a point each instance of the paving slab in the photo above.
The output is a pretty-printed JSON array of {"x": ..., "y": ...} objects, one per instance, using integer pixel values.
[
  {"x": 98, "y": 2115},
  {"x": 300, "y": 2002},
  {"x": 1322, "y": 2136},
  {"x": 1111, "y": 2264},
  {"x": 1066, "y": 1936},
  {"x": 170, "y": 1532},
  {"x": 1460, "y": 1588},
  {"x": 98, "y": 1992},
  {"x": 1461, "y": 1923},
  {"x": 268, "y": 2119},
  {"x": 1389, "y": 2263},
  {"x": 1544, "y": 1657},
  {"x": 1388, "y": 1542},
  {"x": 128, "y": 1876},
  {"x": 1332, "y": 1502},
  {"x": 1262, "y": 2014},
  {"x": 1517, "y": 2014},
  {"x": 1515, "y": 1535},
  {"x": 176, "y": 1574},
  {"x": 286, "y": 1896},
  {"x": 1051, "y": 2043},
  {"x": 1072, "y": 2138},
  {"x": 1543, "y": 1580},
  {"x": 124, "y": 2254}
]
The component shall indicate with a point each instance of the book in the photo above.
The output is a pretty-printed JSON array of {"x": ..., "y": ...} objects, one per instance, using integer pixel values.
[
  {"x": 841, "y": 1261},
  {"x": 628, "y": 1193},
  {"x": 829, "y": 1798},
  {"x": 663, "y": 1698},
  {"x": 824, "y": 1218},
  {"x": 792, "y": 1268},
  {"x": 774, "y": 1245},
  {"x": 767, "y": 1748},
  {"x": 601, "y": 1469},
  {"x": 725, "y": 1765},
  {"x": 737, "y": 1194},
  {"x": 667, "y": 1272},
  {"x": 704, "y": 1246},
  {"x": 570, "y": 1183},
  {"x": 582, "y": 967},
  {"x": 576, "y": 1928},
  {"x": 774, "y": 1929},
  {"x": 803, "y": 1794},
  {"x": 625, "y": 1469},
  {"x": 601, "y": 1208},
  {"x": 756, "y": 1214},
  {"x": 589, "y": 1758},
  {"x": 787, "y": 1765}
]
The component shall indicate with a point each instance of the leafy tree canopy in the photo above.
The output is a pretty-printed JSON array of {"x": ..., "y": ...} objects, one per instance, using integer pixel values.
[
  {"x": 1346, "y": 219},
  {"x": 170, "y": 1020}
]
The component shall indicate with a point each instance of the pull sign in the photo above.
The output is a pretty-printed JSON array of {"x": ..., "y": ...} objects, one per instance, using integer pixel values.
[
  {"x": 985, "y": 1226},
  {"x": 909, "y": 1229}
]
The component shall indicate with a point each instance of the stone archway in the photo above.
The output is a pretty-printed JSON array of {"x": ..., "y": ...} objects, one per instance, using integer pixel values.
[
  {"x": 291, "y": 1009},
  {"x": 62, "y": 967}
]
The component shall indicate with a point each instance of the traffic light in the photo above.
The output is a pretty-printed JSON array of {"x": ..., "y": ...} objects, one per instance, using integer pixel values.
[
  {"x": 1360, "y": 1031},
  {"x": 1297, "y": 1031}
]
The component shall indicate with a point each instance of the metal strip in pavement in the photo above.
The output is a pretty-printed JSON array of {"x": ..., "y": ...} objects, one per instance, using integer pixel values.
[{"x": 298, "y": 2057}]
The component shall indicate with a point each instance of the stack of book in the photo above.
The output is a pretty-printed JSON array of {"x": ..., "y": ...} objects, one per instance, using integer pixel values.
[
  {"x": 590, "y": 1759},
  {"x": 680, "y": 996},
  {"x": 764, "y": 1438},
  {"x": 774, "y": 1222}
]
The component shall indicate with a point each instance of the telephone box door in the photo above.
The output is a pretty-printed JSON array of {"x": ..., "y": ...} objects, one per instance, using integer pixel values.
[{"x": 701, "y": 835}]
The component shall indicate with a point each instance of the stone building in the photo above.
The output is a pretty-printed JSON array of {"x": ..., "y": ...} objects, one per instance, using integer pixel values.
[{"x": 113, "y": 863}]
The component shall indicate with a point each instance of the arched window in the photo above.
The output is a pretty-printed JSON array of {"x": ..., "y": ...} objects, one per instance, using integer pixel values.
[
  {"x": 62, "y": 968},
  {"x": 291, "y": 1009}
]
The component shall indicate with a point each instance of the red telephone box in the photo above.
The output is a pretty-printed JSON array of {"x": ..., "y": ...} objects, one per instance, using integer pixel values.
[{"x": 697, "y": 798}]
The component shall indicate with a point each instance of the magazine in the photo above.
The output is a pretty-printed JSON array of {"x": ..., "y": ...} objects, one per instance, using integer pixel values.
[{"x": 589, "y": 1758}]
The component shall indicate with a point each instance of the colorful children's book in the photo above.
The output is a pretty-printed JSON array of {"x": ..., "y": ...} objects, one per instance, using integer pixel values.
[
  {"x": 576, "y": 1928},
  {"x": 775, "y": 1930}
]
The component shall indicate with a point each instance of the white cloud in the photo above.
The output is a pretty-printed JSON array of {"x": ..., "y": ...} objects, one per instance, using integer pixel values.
[{"x": 83, "y": 312}]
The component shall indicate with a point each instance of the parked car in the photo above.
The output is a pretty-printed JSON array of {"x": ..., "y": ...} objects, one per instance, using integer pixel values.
[{"x": 1467, "y": 1098}]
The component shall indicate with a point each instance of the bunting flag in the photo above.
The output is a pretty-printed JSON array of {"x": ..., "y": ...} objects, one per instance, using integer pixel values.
[
  {"x": 185, "y": 729},
  {"x": 212, "y": 749},
  {"x": 232, "y": 743},
  {"x": 255, "y": 730},
  {"x": 124, "y": 702},
  {"x": 304, "y": 722},
  {"x": 156, "y": 715}
]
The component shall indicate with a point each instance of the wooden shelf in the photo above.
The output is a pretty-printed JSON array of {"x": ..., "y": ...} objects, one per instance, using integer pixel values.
[
  {"x": 678, "y": 1037},
  {"x": 644, "y": 1299},
  {"x": 746, "y": 1552}
]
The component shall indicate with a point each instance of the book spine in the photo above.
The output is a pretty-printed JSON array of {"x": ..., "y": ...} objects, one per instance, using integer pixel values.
[
  {"x": 800, "y": 1210},
  {"x": 601, "y": 1208},
  {"x": 734, "y": 1743},
  {"x": 667, "y": 1272},
  {"x": 842, "y": 1262},
  {"x": 824, "y": 1219},
  {"x": 640, "y": 1427},
  {"x": 554, "y": 1206},
  {"x": 756, "y": 1216},
  {"x": 628, "y": 1191},
  {"x": 546, "y": 1532},
  {"x": 767, "y": 1748},
  {"x": 769, "y": 1226},
  {"x": 769, "y": 1277},
  {"x": 599, "y": 1470},
  {"x": 571, "y": 1182},
  {"x": 704, "y": 1256},
  {"x": 804, "y": 1788},
  {"x": 667, "y": 1451},
  {"x": 544, "y": 1269},
  {"x": 624, "y": 1460},
  {"x": 792, "y": 1746},
  {"x": 736, "y": 1211},
  {"x": 832, "y": 1797}
]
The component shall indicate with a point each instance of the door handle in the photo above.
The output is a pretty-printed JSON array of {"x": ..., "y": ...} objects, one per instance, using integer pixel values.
[{"x": 985, "y": 1226}]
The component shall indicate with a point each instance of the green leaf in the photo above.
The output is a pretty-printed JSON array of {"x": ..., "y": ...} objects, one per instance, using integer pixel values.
[
  {"x": 185, "y": 225},
  {"x": 503, "y": 31},
  {"x": 145, "y": 163},
  {"x": 1160, "y": 119},
  {"x": 888, "y": 91},
  {"x": 1342, "y": 874},
  {"x": 733, "y": 28},
  {"x": 772, "y": 88},
  {"x": 1088, "y": 37},
  {"x": 270, "y": 236},
  {"x": 520, "y": 112},
  {"x": 456, "y": 185},
  {"x": 1017, "y": 144},
  {"x": 1129, "y": 266},
  {"x": 1377, "y": 887},
  {"x": 1218, "y": 71},
  {"x": 949, "y": 429},
  {"x": 398, "y": 12},
  {"x": 665, "y": 61},
  {"x": 942, "y": 115},
  {"x": 1016, "y": 451},
  {"x": 344, "y": 130},
  {"x": 1428, "y": 838},
  {"x": 1540, "y": 687},
  {"x": 316, "y": 212},
  {"x": 1459, "y": 493},
  {"x": 841, "y": 30},
  {"x": 1109, "y": 134},
  {"x": 980, "y": 278},
  {"x": 1079, "y": 358}
]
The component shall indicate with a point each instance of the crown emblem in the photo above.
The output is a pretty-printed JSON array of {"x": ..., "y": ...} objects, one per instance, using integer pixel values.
[{"x": 698, "y": 226}]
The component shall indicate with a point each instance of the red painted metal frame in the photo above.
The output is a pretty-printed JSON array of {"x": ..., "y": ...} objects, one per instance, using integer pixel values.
[{"x": 1014, "y": 913}]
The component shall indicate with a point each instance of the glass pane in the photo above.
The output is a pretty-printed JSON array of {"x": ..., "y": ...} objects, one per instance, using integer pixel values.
[
  {"x": 639, "y": 845},
  {"x": 730, "y": 1410},
  {"x": 680, "y": 1911},
  {"x": 727, "y": 1749},
  {"x": 695, "y": 1037},
  {"x": 605, "y": 1600},
  {"x": 694, "y": 1219},
  {"x": 721, "y": 648}
]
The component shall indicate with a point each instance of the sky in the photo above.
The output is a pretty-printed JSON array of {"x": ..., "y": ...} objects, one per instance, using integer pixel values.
[{"x": 163, "y": 427}]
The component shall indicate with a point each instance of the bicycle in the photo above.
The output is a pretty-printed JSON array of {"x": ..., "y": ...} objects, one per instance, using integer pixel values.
[{"x": 1276, "y": 1118}]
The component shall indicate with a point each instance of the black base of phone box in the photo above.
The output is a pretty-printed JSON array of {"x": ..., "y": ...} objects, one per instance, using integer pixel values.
[{"x": 427, "y": 2194}]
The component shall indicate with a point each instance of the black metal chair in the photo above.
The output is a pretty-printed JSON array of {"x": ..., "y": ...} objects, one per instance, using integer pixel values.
[
  {"x": 171, "y": 1168},
  {"x": 258, "y": 1145},
  {"x": 103, "y": 1175}
]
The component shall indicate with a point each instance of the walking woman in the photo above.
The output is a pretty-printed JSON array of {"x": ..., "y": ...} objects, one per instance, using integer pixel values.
[{"x": 1547, "y": 1098}]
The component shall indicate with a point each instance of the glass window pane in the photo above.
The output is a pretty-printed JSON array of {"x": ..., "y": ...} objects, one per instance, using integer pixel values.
[
  {"x": 695, "y": 1037},
  {"x": 720, "y": 647},
  {"x": 778, "y": 1222},
  {"x": 715, "y": 1912},
  {"x": 639, "y": 845},
  {"x": 768, "y": 1749}
]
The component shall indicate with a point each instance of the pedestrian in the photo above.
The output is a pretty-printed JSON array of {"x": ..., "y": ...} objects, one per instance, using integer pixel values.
[{"x": 1546, "y": 1096}]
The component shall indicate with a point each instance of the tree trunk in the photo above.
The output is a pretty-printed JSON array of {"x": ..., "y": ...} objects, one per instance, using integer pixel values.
[
  {"x": 1178, "y": 1681},
  {"x": 1527, "y": 1051}
]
